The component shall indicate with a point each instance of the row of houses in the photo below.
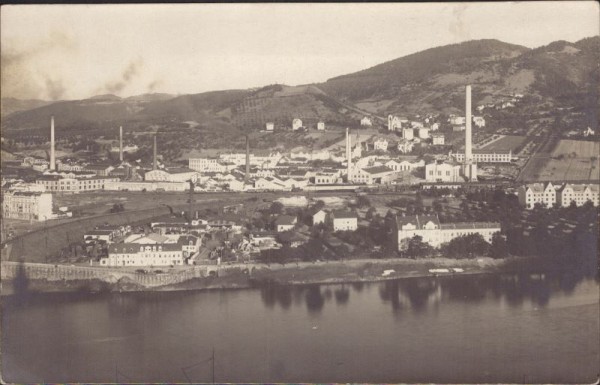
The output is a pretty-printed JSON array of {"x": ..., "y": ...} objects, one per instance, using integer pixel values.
[{"x": 562, "y": 194}]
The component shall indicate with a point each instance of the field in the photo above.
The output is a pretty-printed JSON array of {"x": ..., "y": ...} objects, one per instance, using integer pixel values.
[
  {"x": 508, "y": 142},
  {"x": 571, "y": 160}
]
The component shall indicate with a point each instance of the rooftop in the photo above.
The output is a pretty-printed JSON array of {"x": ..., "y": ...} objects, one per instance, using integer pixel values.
[{"x": 342, "y": 214}]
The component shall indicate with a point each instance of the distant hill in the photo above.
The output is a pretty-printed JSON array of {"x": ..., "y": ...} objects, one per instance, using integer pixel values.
[
  {"x": 10, "y": 105},
  {"x": 247, "y": 109},
  {"x": 433, "y": 80}
]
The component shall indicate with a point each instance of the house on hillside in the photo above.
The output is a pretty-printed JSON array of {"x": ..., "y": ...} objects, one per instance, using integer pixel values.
[
  {"x": 366, "y": 121},
  {"x": 285, "y": 223},
  {"x": 321, "y": 126},
  {"x": 438, "y": 139},
  {"x": 405, "y": 146},
  {"x": 296, "y": 124},
  {"x": 408, "y": 133},
  {"x": 344, "y": 220},
  {"x": 319, "y": 217},
  {"x": 479, "y": 121},
  {"x": 423, "y": 132},
  {"x": 270, "y": 126},
  {"x": 380, "y": 144}
]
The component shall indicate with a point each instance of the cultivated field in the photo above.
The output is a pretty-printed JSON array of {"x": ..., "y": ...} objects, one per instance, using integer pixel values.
[
  {"x": 572, "y": 160},
  {"x": 508, "y": 142}
]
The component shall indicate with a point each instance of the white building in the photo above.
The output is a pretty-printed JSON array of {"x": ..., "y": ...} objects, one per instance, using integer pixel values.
[
  {"x": 270, "y": 126},
  {"x": 372, "y": 175},
  {"x": 32, "y": 206},
  {"x": 296, "y": 124},
  {"x": 457, "y": 120},
  {"x": 171, "y": 175},
  {"x": 405, "y": 165},
  {"x": 319, "y": 217},
  {"x": 435, "y": 126},
  {"x": 578, "y": 193},
  {"x": 321, "y": 126},
  {"x": 366, "y": 121},
  {"x": 344, "y": 221},
  {"x": 423, "y": 132},
  {"x": 145, "y": 186},
  {"x": 438, "y": 139},
  {"x": 380, "y": 144},
  {"x": 547, "y": 194},
  {"x": 432, "y": 232},
  {"x": 479, "y": 121},
  {"x": 209, "y": 165},
  {"x": 484, "y": 156},
  {"x": 442, "y": 172},
  {"x": 543, "y": 193},
  {"x": 405, "y": 146},
  {"x": 57, "y": 184},
  {"x": 394, "y": 123},
  {"x": 285, "y": 223},
  {"x": 408, "y": 133},
  {"x": 134, "y": 254}
]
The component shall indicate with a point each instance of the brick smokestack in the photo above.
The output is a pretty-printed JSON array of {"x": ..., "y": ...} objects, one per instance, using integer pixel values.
[
  {"x": 154, "y": 161},
  {"x": 52, "y": 154},
  {"x": 247, "y": 174},
  {"x": 468, "y": 151},
  {"x": 121, "y": 143}
]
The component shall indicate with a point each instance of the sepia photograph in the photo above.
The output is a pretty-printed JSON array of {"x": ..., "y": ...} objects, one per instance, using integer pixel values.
[{"x": 300, "y": 193}]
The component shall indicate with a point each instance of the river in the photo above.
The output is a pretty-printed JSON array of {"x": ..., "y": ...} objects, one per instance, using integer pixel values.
[{"x": 484, "y": 328}]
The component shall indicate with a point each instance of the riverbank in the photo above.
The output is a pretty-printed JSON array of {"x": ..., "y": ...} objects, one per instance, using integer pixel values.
[{"x": 257, "y": 275}]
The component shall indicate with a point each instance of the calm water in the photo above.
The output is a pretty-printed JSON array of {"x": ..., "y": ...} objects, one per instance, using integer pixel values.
[{"x": 454, "y": 329}]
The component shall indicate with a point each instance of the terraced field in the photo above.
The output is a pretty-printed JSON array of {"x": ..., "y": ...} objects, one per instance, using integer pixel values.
[{"x": 574, "y": 160}]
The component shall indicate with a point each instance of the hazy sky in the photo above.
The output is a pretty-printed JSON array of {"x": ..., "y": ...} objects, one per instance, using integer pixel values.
[{"x": 76, "y": 51}]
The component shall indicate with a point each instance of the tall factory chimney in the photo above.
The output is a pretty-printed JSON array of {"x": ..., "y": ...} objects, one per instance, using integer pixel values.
[
  {"x": 247, "y": 174},
  {"x": 468, "y": 151},
  {"x": 469, "y": 167},
  {"x": 154, "y": 162},
  {"x": 121, "y": 143},
  {"x": 52, "y": 154},
  {"x": 348, "y": 154}
]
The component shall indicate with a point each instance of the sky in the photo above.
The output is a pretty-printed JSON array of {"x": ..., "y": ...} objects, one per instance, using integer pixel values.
[{"x": 56, "y": 52}]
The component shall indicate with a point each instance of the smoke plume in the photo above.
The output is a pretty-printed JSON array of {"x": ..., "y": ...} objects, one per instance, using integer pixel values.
[
  {"x": 21, "y": 74},
  {"x": 129, "y": 73}
]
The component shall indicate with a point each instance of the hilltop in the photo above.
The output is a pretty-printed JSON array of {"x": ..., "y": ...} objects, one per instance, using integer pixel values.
[{"x": 433, "y": 79}]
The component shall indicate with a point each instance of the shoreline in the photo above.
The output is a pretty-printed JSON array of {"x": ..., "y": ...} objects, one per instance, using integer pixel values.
[{"x": 322, "y": 273}]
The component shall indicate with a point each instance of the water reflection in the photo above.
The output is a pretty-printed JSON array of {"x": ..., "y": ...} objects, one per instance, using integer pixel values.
[
  {"x": 426, "y": 293},
  {"x": 342, "y": 295}
]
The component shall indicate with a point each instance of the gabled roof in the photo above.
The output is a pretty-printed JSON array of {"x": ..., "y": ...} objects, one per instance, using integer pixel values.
[
  {"x": 286, "y": 220},
  {"x": 342, "y": 214},
  {"x": 180, "y": 170},
  {"x": 377, "y": 169},
  {"x": 417, "y": 220},
  {"x": 133, "y": 248}
]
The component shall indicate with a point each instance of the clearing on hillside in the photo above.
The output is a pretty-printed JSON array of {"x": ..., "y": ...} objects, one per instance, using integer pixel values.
[{"x": 508, "y": 142}]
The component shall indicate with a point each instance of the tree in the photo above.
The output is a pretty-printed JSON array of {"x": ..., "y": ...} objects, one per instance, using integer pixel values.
[
  {"x": 466, "y": 246},
  {"x": 499, "y": 247},
  {"x": 276, "y": 208},
  {"x": 363, "y": 201},
  {"x": 417, "y": 248}
]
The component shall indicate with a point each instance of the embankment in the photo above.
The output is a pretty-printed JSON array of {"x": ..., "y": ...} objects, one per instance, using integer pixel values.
[{"x": 52, "y": 278}]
